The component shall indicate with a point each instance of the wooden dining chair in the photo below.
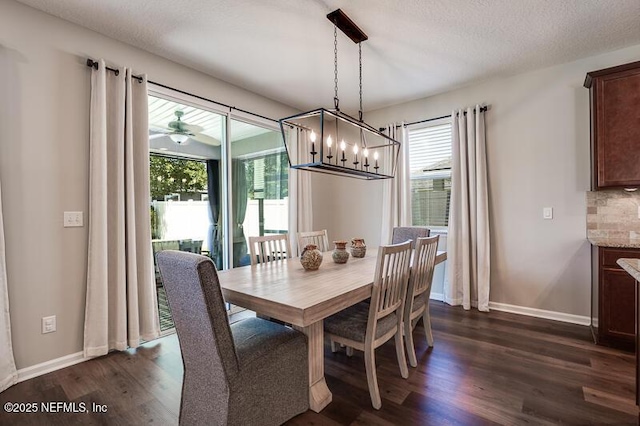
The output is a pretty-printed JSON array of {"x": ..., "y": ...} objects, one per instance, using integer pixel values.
[
  {"x": 367, "y": 325},
  {"x": 319, "y": 238},
  {"x": 403, "y": 233},
  {"x": 418, "y": 293},
  {"x": 269, "y": 248}
]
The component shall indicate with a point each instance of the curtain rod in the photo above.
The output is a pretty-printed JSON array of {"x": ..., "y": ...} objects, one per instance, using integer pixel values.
[
  {"x": 482, "y": 109},
  {"x": 93, "y": 64}
]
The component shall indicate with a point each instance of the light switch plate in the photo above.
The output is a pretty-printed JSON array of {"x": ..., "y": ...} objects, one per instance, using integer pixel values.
[
  {"x": 73, "y": 219},
  {"x": 547, "y": 212},
  {"x": 49, "y": 324}
]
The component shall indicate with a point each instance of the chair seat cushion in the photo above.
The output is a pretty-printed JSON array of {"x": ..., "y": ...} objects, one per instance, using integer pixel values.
[
  {"x": 273, "y": 381},
  {"x": 351, "y": 323},
  {"x": 256, "y": 338},
  {"x": 418, "y": 303}
]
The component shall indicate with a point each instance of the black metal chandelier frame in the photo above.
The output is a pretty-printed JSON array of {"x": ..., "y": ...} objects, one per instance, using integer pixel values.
[{"x": 333, "y": 122}]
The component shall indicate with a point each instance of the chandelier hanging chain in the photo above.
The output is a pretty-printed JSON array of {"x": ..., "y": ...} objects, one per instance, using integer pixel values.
[
  {"x": 336, "y": 101},
  {"x": 360, "y": 64},
  {"x": 338, "y": 143}
]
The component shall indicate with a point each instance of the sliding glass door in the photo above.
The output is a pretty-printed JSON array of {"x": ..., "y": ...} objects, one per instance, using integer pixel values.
[
  {"x": 259, "y": 185},
  {"x": 215, "y": 181}
]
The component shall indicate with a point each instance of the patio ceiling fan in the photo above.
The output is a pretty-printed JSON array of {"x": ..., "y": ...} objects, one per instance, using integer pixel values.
[{"x": 180, "y": 132}]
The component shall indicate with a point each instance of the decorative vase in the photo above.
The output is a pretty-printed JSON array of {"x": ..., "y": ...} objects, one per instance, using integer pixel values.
[
  {"x": 358, "y": 247},
  {"x": 340, "y": 253},
  {"x": 311, "y": 257}
]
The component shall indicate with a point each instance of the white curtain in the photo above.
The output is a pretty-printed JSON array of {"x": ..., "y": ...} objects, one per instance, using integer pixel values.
[
  {"x": 300, "y": 200},
  {"x": 396, "y": 192},
  {"x": 121, "y": 305},
  {"x": 468, "y": 251},
  {"x": 8, "y": 375}
]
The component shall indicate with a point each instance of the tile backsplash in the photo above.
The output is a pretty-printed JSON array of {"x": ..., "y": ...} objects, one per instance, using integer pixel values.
[{"x": 613, "y": 214}]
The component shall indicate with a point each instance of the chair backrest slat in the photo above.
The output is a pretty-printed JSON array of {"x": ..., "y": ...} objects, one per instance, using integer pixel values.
[
  {"x": 424, "y": 259},
  {"x": 269, "y": 248},
  {"x": 390, "y": 280},
  {"x": 319, "y": 238}
]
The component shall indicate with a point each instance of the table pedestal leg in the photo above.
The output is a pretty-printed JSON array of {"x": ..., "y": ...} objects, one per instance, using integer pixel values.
[{"x": 319, "y": 393}]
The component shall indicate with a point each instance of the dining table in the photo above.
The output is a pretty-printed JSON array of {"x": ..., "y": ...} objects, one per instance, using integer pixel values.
[{"x": 284, "y": 290}]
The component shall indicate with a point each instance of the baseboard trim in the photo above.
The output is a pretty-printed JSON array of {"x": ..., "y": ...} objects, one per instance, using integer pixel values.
[
  {"x": 530, "y": 312},
  {"x": 437, "y": 296},
  {"x": 541, "y": 313},
  {"x": 51, "y": 365}
]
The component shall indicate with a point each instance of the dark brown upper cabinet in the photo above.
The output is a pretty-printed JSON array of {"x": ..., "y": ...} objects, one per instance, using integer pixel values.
[{"x": 615, "y": 126}]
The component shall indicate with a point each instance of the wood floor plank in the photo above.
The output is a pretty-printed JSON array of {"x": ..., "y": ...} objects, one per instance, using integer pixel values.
[
  {"x": 390, "y": 388},
  {"x": 610, "y": 400},
  {"x": 77, "y": 382},
  {"x": 525, "y": 366},
  {"x": 446, "y": 412},
  {"x": 367, "y": 418},
  {"x": 156, "y": 381},
  {"x": 485, "y": 368}
]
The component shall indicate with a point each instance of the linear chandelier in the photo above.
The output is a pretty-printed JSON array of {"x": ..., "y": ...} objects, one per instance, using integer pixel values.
[{"x": 330, "y": 141}]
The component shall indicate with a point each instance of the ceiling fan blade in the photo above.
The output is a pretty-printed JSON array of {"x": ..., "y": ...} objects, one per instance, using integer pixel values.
[
  {"x": 206, "y": 139},
  {"x": 157, "y": 135},
  {"x": 193, "y": 128}
]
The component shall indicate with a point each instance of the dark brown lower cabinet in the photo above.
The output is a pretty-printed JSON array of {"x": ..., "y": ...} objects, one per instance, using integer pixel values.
[{"x": 614, "y": 322}]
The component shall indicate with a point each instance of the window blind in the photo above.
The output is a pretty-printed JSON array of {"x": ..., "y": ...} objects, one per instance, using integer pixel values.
[
  {"x": 430, "y": 172},
  {"x": 429, "y": 147}
]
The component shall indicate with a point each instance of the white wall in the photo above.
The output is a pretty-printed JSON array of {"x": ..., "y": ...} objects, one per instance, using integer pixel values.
[
  {"x": 538, "y": 155},
  {"x": 44, "y": 128}
]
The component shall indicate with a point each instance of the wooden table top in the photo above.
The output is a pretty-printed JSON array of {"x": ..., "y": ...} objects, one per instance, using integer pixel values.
[{"x": 285, "y": 291}]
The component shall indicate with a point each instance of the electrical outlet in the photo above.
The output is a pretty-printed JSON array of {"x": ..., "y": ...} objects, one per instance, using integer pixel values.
[
  {"x": 547, "y": 212},
  {"x": 73, "y": 219},
  {"x": 49, "y": 324}
]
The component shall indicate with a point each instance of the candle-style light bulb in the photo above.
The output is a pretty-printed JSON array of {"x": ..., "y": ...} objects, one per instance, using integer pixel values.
[
  {"x": 329, "y": 143},
  {"x": 343, "y": 146},
  {"x": 375, "y": 157},
  {"x": 355, "y": 153},
  {"x": 365, "y": 152},
  {"x": 312, "y": 138}
]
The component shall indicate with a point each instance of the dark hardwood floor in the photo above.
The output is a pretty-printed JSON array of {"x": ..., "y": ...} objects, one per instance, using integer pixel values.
[{"x": 494, "y": 368}]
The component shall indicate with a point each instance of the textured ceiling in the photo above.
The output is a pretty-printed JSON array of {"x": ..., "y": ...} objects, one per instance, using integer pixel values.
[{"x": 284, "y": 49}]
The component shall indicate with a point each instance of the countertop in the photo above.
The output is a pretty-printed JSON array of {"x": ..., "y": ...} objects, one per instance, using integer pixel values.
[
  {"x": 615, "y": 242},
  {"x": 632, "y": 266}
]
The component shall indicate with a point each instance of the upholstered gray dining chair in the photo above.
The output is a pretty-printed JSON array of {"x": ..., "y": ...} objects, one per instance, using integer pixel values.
[
  {"x": 252, "y": 372},
  {"x": 403, "y": 233},
  {"x": 419, "y": 292}
]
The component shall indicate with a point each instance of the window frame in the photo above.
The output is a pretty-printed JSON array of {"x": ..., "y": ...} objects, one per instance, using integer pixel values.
[
  {"x": 442, "y": 230},
  {"x": 226, "y": 156}
]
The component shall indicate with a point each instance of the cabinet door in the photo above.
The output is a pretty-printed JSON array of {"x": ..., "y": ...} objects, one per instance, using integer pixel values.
[
  {"x": 617, "y": 129},
  {"x": 617, "y": 298}
]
